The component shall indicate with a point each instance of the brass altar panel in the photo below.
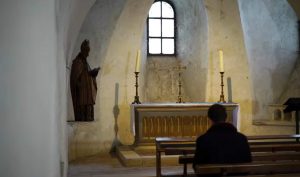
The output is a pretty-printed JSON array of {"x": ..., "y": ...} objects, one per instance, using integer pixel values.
[
  {"x": 180, "y": 120},
  {"x": 173, "y": 126}
]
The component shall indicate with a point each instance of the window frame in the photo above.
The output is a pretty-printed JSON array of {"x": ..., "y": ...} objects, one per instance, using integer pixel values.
[{"x": 160, "y": 37}]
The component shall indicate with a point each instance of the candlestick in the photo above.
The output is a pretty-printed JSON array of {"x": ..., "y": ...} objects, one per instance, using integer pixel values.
[
  {"x": 179, "y": 89},
  {"x": 136, "y": 97},
  {"x": 222, "y": 100},
  {"x": 221, "y": 61},
  {"x": 180, "y": 70},
  {"x": 138, "y": 61}
]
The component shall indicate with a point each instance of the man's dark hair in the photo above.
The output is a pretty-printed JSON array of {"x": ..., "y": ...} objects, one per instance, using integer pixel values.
[{"x": 217, "y": 113}]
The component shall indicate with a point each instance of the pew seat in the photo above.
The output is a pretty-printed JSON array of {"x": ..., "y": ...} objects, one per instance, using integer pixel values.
[{"x": 253, "y": 168}]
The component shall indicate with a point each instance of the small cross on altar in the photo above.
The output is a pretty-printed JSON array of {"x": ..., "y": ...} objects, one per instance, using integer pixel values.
[{"x": 180, "y": 69}]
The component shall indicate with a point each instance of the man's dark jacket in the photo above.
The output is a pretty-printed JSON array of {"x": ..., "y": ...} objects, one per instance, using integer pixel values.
[{"x": 222, "y": 143}]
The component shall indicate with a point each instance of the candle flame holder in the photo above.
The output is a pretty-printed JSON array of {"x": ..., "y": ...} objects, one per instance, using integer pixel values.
[{"x": 180, "y": 69}]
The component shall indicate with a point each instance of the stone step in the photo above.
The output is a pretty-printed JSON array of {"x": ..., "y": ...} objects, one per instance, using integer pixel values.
[{"x": 143, "y": 156}]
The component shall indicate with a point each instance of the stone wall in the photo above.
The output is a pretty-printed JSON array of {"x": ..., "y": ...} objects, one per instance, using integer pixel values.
[
  {"x": 117, "y": 30},
  {"x": 271, "y": 40},
  {"x": 162, "y": 80},
  {"x": 29, "y": 131},
  {"x": 192, "y": 26},
  {"x": 225, "y": 32}
]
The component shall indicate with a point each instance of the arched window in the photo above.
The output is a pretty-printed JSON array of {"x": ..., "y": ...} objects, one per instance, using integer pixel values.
[{"x": 161, "y": 33}]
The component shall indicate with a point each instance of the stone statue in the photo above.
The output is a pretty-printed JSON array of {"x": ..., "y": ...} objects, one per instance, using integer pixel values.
[{"x": 83, "y": 85}]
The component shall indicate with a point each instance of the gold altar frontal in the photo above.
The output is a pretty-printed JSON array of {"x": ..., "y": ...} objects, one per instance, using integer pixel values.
[
  {"x": 174, "y": 120},
  {"x": 151, "y": 120}
]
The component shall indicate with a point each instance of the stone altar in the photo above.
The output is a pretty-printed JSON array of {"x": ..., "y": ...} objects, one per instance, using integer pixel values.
[{"x": 150, "y": 120}]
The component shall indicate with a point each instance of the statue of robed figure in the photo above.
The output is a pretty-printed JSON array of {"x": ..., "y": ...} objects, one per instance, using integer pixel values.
[{"x": 83, "y": 85}]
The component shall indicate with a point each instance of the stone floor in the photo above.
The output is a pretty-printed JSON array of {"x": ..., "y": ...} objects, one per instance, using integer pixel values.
[{"x": 109, "y": 166}]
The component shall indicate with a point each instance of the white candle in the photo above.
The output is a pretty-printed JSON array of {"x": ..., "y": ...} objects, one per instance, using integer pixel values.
[
  {"x": 221, "y": 61},
  {"x": 138, "y": 61}
]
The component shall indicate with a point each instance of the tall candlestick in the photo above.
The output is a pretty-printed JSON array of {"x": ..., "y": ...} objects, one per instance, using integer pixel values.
[
  {"x": 136, "y": 97},
  {"x": 221, "y": 61},
  {"x": 138, "y": 61},
  {"x": 222, "y": 99}
]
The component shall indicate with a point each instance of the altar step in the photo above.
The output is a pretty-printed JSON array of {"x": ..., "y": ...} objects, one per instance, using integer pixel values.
[{"x": 143, "y": 156}]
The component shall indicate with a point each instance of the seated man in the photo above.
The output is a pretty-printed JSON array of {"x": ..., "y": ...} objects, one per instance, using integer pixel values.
[{"x": 222, "y": 143}]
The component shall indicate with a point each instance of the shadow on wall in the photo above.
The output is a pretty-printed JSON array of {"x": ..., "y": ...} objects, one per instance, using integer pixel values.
[
  {"x": 116, "y": 112},
  {"x": 229, "y": 88}
]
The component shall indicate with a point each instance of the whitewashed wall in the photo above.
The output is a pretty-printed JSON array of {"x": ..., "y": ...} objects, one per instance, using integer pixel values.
[
  {"x": 192, "y": 43},
  {"x": 192, "y": 53},
  {"x": 40, "y": 39},
  {"x": 271, "y": 39},
  {"x": 69, "y": 18},
  {"x": 116, "y": 30},
  {"x": 29, "y": 138},
  {"x": 162, "y": 80}
]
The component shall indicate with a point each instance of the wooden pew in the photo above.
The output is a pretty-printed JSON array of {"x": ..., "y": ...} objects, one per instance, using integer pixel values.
[
  {"x": 285, "y": 144},
  {"x": 271, "y": 158},
  {"x": 263, "y": 156},
  {"x": 172, "y": 146},
  {"x": 253, "y": 168}
]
